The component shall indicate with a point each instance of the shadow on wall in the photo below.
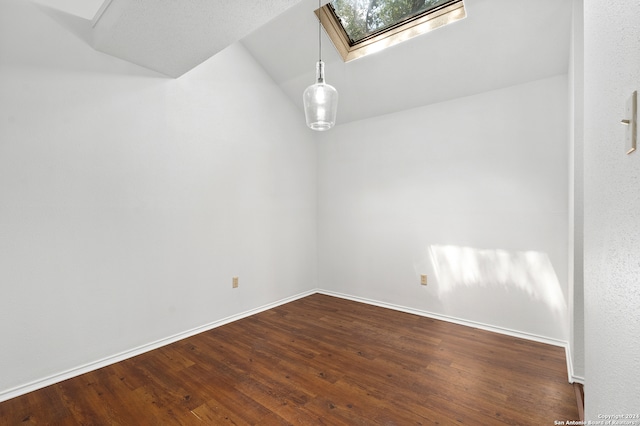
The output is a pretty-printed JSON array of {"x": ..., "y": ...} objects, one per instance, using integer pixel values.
[
  {"x": 528, "y": 271},
  {"x": 80, "y": 27}
]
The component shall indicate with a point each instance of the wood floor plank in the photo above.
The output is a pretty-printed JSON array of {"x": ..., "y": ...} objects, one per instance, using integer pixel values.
[{"x": 319, "y": 360}]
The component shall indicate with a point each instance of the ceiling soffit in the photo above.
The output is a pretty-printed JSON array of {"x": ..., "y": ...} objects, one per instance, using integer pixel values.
[{"x": 172, "y": 37}]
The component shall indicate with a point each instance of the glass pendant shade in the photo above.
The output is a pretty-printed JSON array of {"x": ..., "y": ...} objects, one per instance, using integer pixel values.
[{"x": 320, "y": 102}]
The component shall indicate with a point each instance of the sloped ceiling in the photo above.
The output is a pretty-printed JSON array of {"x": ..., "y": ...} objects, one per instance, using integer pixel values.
[
  {"x": 85, "y": 9},
  {"x": 500, "y": 43},
  {"x": 172, "y": 36}
]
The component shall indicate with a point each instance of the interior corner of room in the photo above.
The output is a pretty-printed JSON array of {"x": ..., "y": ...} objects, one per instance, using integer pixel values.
[{"x": 157, "y": 179}]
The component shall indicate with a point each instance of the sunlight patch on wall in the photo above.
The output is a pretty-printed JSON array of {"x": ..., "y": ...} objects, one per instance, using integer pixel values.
[{"x": 528, "y": 271}]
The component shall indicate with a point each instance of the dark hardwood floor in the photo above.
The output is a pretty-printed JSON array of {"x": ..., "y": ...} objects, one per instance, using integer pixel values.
[{"x": 318, "y": 360}]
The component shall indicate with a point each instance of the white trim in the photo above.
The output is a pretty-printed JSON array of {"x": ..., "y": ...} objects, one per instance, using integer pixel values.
[
  {"x": 572, "y": 377},
  {"x": 468, "y": 323},
  {"x": 91, "y": 366},
  {"x": 567, "y": 354},
  {"x": 94, "y": 365},
  {"x": 100, "y": 12},
  {"x": 578, "y": 379}
]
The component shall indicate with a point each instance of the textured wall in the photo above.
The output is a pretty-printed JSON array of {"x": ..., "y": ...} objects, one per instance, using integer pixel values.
[
  {"x": 612, "y": 211},
  {"x": 576, "y": 192}
]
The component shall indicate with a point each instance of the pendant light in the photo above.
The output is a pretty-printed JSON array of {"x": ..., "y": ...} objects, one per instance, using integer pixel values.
[{"x": 320, "y": 99}]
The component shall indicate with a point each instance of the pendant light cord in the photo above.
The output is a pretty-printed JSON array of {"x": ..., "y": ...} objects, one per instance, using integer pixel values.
[{"x": 319, "y": 33}]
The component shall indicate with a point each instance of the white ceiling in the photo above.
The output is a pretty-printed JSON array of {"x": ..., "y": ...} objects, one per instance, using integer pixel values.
[
  {"x": 86, "y": 9},
  {"x": 500, "y": 43},
  {"x": 172, "y": 36}
]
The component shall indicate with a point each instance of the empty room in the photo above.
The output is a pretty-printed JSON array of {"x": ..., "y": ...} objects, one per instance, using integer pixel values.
[{"x": 341, "y": 212}]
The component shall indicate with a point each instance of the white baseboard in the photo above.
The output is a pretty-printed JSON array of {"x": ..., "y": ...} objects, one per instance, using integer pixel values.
[
  {"x": 56, "y": 378},
  {"x": 468, "y": 323},
  {"x": 73, "y": 372},
  {"x": 578, "y": 379},
  {"x": 572, "y": 376},
  {"x": 495, "y": 329}
]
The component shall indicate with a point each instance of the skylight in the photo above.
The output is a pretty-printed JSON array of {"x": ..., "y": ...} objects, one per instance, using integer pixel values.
[{"x": 360, "y": 27}]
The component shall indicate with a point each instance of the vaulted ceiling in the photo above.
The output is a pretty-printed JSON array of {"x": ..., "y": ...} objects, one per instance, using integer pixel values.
[{"x": 500, "y": 43}]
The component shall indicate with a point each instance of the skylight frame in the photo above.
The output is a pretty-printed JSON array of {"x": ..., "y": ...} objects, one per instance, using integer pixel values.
[{"x": 418, "y": 25}]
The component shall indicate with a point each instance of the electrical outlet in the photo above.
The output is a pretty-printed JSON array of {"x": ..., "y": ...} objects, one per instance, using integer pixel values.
[
  {"x": 423, "y": 279},
  {"x": 234, "y": 282}
]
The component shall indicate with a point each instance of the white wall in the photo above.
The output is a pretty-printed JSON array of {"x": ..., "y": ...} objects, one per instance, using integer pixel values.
[
  {"x": 576, "y": 193},
  {"x": 612, "y": 211},
  {"x": 472, "y": 192},
  {"x": 129, "y": 200}
]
